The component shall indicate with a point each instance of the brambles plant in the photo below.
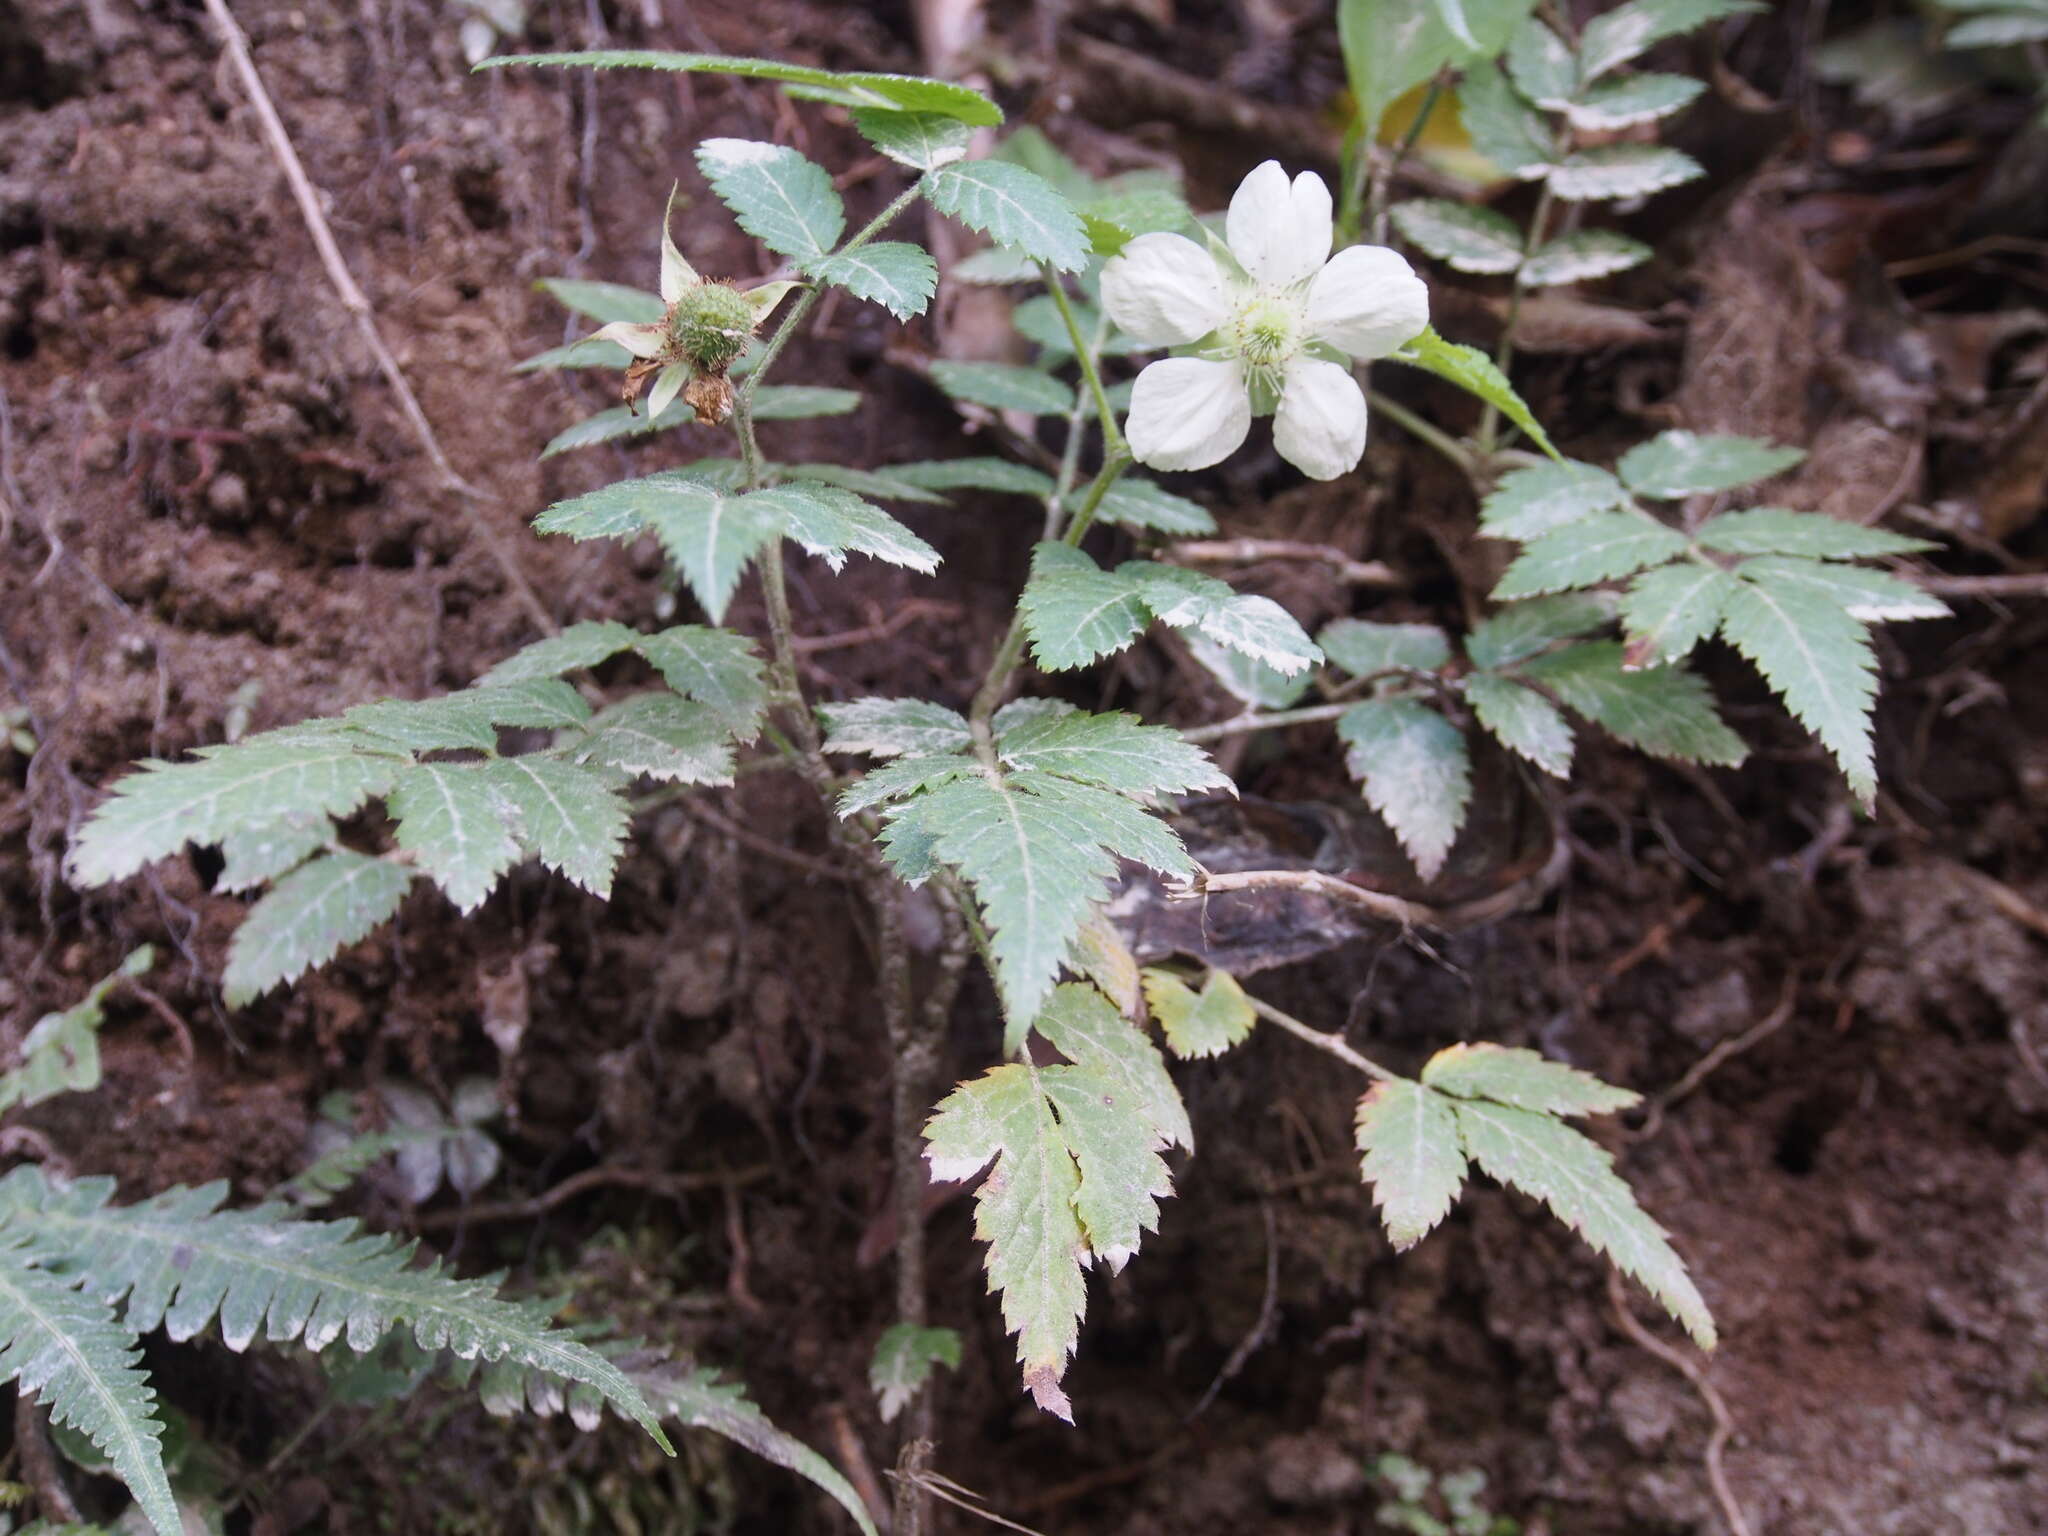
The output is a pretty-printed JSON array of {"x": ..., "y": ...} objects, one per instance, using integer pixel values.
[{"x": 1015, "y": 812}]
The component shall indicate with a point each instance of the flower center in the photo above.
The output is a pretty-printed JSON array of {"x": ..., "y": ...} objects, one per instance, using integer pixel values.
[{"x": 1268, "y": 331}]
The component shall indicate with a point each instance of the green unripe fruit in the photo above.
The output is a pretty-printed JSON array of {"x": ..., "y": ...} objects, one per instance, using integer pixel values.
[{"x": 709, "y": 326}]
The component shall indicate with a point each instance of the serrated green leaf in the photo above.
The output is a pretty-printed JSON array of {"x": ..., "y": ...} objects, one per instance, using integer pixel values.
[
  {"x": 660, "y": 736},
  {"x": 904, "y": 1359},
  {"x": 1616, "y": 104},
  {"x": 1466, "y": 238},
  {"x": 1004, "y": 387},
  {"x": 711, "y": 533},
  {"x": 1012, "y": 207},
  {"x": 1596, "y": 548},
  {"x": 1392, "y": 46},
  {"x": 1999, "y": 29},
  {"x": 258, "y": 853},
  {"x": 1142, "y": 504},
  {"x": 1138, "y": 204},
  {"x": 1541, "y": 65},
  {"x": 1075, "y": 611},
  {"x": 1415, "y": 771},
  {"x": 1520, "y": 1077},
  {"x": 1039, "y": 853},
  {"x": 1675, "y": 464},
  {"x": 308, "y": 918},
  {"x": 580, "y": 645},
  {"x": 1520, "y": 630},
  {"x": 802, "y": 402},
  {"x": 1086, "y": 1028},
  {"x": 1113, "y": 751},
  {"x": 67, "y": 1352},
  {"x": 832, "y": 523},
  {"x": 924, "y": 141},
  {"x": 976, "y": 474},
  {"x": 898, "y": 276},
  {"x": 1614, "y": 37},
  {"x": 1582, "y": 256},
  {"x": 604, "y": 302},
  {"x": 566, "y": 816},
  {"x": 1100, "y": 954},
  {"x": 156, "y": 811},
  {"x": 453, "y": 824},
  {"x": 1546, "y": 1158},
  {"x": 1610, "y": 171},
  {"x": 1256, "y": 626},
  {"x": 1199, "y": 1024},
  {"x": 1413, "y": 1158},
  {"x": 1503, "y": 127},
  {"x": 1038, "y": 320},
  {"x": 468, "y": 720},
  {"x": 1817, "y": 658},
  {"x": 1815, "y": 535},
  {"x": 894, "y": 728},
  {"x": 716, "y": 667},
  {"x": 1529, "y": 503},
  {"x": 1363, "y": 648},
  {"x": 1666, "y": 711},
  {"x": 1523, "y": 721},
  {"x": 1669, "y": 611},
  {"x": 910, "y": 93},
  {"x": 587, "y": 353},
  {"x": 1861, "y": 593},
  {"x": 780, "y": 198},
  {"x": 862, "y": 482},
  {"x": 1245, "y": 679},
  {"x": 905, "y": 776},
  {"x": 1475, "y": 373},
  {"x": 617, "y": 422}
]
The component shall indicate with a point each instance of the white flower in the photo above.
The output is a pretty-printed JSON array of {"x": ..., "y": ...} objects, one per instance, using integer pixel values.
[{"x": 1271, "y": 320}]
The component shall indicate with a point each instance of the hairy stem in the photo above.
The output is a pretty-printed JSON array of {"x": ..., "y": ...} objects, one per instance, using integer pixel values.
[{"x": 1091, "y": 372}]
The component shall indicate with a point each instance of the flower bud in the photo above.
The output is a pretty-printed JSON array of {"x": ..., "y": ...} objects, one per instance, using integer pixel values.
[{"x": 709, "y": 326}]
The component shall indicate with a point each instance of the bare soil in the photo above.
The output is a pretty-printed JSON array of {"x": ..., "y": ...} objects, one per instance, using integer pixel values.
[{"x": 213, "y": 506}]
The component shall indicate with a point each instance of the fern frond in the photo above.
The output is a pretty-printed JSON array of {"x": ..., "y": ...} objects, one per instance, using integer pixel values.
[
  {"x": 180, "y": 1262},
  {"x": 66, "y": 1350}
]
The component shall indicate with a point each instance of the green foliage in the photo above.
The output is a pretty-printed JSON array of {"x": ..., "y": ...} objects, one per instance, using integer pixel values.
[
  {"x": 1416, "y": 773},
  {"x": 61, "y": 1053},
  {"x": 1504, "y": 1111},
  {"x": 1392, "y": 46},
  {"x": 905, "y": 1357},
  {"x": 1477, "y": 374},
  {"x": 1004, "y": 387},
  {"x": 1013, "y": 207},
  {"x": 1466, "y": 238},
  {"x": 1074, "y": 1178},
  {"x": 780, "y": 198},
  {"x": 1204, "y": 1023}
]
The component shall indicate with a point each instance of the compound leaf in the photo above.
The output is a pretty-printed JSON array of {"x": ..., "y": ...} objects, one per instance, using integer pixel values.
[
  {"x": 1477, "y": 374},
  {"x": 1861, "y": 593},
  {"x": 1521, "y": 630},
  {"x": 780, "y": 198},
  {"x": 1616, "y": 104},
  {"x": 1415, "y": 770},
  {"x": 1113, "y": 751},
  {"x": 1814, "y": 535},
  {"x": 894, "y": 728},
  {"x": 716, "y": 667},
  {"x": 1669, "y": 611},
  {"x": 1075, "y": 611},
  {"x": 67, "y": 1352},
  {"x": 1522, "y": 720},
  {"x": 1677, "y": 463},
  {"x": 905, "y": 776},
  {"x": 892, "y": 273},
  {"x": 832, "y": 523},
  {"x": 1503, "y": 127},
  {"x": 1596, "y": 548},
  {"x": 1413, "y": 1158},
  {"x": 1582, "y": 256},
  {"x": 1520, "y": 1077},
  {"x": 1085, "y": 1027},
  {"x": 711, "y": 533},
  {"x": 258, "y": 854},
  {"x": 308, "y": 918},
  {"x": 1467, "y": 239},
  {"x": 1529, "y": 503},
  {"x": 1363, "y": 648},
  {"x": 1541, "y": 65},
  {"x": 660, "y": 736},
  {"x": 1205, "y": 1023},
  {"x": 567, "y": 816},
  {"x": 1013, "y": 207},
  {"x": 453, "y": 823},
  {"x": 1546, "y": 1158},
  {"x": 1614, "y": 37},
  {"x": 1256, "y": 626},
  {"x": 1817, "y": 658},
  {"x": 580, "y": 645},
  {"x": 1666, "y": 711},
  {"x": 924, "y": 141}
]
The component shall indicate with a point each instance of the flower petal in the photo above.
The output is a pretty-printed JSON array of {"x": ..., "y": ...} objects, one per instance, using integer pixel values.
[
  {"x": 1280, "y": 231},
  {"x": 643, "y": 341},
  {"x": 1187, "y": 413},
  {"x": 666, "y": 388},
  {"x": 1320, "y": 426},
  {"x": 1163, "y": 290},
  {"x": 1368, "y": 301},
  {"x": 676, "y": 273}
]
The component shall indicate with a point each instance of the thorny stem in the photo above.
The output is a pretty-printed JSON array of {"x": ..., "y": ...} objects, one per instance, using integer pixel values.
[{"x": 1332, "y": 1044}]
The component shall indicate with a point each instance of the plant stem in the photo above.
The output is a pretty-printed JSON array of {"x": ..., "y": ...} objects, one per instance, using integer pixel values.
[
  {"x": 1333, "y": 1044},
  {"x": 1241, "y": 725},
  {"x": 1504, "y": 354},
  {"x": 1440, "y": 440},
  {"x": 1112, "y": 436},
  {"x": 1383, "y": 172}
]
